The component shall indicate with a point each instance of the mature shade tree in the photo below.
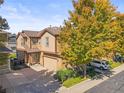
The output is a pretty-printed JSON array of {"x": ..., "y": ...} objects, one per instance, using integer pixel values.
[
  {"x": 120, "y": 18},
  {"x": 91, "y": 31}
]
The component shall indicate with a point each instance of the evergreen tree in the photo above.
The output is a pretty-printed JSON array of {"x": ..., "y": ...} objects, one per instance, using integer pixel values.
[{"x": 3, "y": 22}]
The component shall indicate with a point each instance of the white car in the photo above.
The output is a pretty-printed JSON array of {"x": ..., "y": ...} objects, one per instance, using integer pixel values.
[{"x": 100, "y": 64}]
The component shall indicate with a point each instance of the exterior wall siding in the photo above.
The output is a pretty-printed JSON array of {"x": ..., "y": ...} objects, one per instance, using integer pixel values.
[
  {"x": 18, "y": 44},
  {"x": 51, "y": 47}
]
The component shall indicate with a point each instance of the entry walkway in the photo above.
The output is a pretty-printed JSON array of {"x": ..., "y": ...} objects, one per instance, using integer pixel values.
[
  {"x": 88, "y": 84},
  {"x": 37, "y": 67}
]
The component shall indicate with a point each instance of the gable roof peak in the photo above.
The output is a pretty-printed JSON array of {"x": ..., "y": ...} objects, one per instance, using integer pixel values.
[{"x": 52, "y": 30}]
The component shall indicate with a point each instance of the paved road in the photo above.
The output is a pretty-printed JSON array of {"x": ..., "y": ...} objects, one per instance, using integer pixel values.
[
  {"x": 112, "y": 85},
  {"x": 29, "y": 81}
]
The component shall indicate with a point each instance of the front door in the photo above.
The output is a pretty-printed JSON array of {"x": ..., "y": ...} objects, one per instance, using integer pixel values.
[{"x": 35, "y": 58}]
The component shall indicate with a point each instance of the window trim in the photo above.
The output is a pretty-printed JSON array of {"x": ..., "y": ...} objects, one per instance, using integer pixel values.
[{"x": 47, "y": 41}]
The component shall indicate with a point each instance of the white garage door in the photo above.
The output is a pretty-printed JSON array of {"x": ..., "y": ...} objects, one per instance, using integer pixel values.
[{"x": 50, "y": 63}]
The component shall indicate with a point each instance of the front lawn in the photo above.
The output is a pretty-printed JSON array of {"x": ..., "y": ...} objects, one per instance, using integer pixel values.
[
  {"x": 114, "y": 64},
  {"x": 72, "y": 81},
  {"x": 69, "y": 77}
]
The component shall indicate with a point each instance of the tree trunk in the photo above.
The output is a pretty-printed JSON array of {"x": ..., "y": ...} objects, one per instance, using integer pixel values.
[{"x": 85, "y": 70}]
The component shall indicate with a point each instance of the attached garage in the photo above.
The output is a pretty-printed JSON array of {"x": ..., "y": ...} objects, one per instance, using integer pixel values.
[{"x": 51, "y": 63}]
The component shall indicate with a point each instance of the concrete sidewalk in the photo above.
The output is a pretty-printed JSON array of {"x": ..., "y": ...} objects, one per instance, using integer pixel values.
[
  {"x": 88, "y": 84},
  {"x": 37, "y": 67}
]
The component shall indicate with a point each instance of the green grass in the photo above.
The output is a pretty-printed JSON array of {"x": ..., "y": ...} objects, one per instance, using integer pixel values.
[
  {"x": 72, "y": 81},
  {"x": 114, "y": 64}
]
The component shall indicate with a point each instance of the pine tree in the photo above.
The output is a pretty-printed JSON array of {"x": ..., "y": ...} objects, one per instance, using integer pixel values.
[{"x": 3, "y": 22}]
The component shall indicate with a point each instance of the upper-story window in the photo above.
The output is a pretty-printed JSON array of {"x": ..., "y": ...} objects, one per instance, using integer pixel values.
[
  {"x": 34, "y": 41},
  {"x": 47, "y": 41}
]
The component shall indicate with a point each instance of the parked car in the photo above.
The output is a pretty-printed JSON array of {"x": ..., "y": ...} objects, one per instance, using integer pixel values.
[
  {"x": 102, "y": 64},
  {"x": 118, "y": 58}
]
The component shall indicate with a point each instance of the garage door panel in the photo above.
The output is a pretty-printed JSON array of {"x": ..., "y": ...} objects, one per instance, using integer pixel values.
[{"x": 50, "y": 63}]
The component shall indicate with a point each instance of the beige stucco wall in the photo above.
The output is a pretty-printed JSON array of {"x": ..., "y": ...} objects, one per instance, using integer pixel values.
[
  {"x": 28, "y": 42},
  {"x": 51, "y": 47},
  {"x": 41, "y": 58},
  {"x": 18, "y": 42}
]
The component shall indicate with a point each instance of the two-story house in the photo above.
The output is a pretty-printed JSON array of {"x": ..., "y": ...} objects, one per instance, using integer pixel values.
[{"x": 40, "y": 47}]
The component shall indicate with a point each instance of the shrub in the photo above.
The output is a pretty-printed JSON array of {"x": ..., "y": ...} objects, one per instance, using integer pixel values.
[
  {"x": 64, "y": 74},
  {"x": 3, "y": 58},
  {"x": 91, "y": 72},
  {"x": 12, "y": 55},
  {"x": 114, "y": 64}
]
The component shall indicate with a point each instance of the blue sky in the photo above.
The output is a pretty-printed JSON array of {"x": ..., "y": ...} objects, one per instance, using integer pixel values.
[{"x": 38, "y": 14}]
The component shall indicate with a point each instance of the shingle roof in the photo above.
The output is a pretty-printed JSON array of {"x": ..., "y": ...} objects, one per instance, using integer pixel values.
[
  {"x": 52, "y": 30},
  {"x": 4, "y": 32},
  {"x": 5, "y": 50},
  {"x": 51, "y": 54},
  {"x": 23, "y": 34},
  {"x": 31, "y": 33}
]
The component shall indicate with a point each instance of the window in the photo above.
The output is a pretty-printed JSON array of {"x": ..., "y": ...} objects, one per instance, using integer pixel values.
[
  {"x": 47, "y": 41},
  {"x": 97, "y": 62},
  {"x": 34, "y": 41}
]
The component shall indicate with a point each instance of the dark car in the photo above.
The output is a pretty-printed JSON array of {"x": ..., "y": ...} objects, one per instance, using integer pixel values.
[{"x": 118, "y": 58}]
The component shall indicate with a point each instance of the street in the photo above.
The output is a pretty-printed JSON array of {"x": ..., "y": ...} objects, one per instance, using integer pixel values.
[{"x": 112, "y": 85}]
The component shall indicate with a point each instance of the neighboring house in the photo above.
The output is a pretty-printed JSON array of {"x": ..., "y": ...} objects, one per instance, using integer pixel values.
[
  {"x": 40, "y": 47},
  {"x": 12, "y": 42},
  {"x": 5, "y": 49}
]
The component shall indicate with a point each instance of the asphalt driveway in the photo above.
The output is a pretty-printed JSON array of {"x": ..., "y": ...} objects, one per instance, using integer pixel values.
[
  {"x": 29, "y": 81},
  {"x": 112, "y": 85}
]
